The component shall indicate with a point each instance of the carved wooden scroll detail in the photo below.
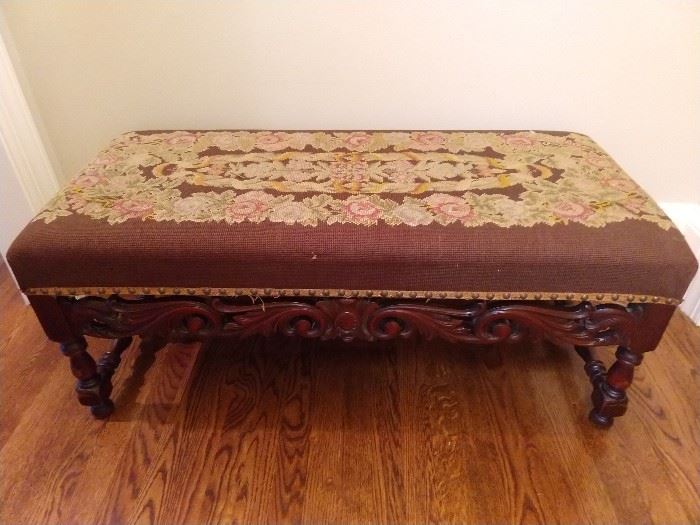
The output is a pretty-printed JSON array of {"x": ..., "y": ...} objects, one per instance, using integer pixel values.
[{"x": 480, "y": 322}]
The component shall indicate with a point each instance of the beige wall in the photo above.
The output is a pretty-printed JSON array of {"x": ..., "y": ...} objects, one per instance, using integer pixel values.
[{"x": 626, "y": 72}]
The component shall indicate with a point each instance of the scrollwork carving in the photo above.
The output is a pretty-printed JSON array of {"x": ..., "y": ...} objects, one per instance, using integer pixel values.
[{"x": 481, "y": 322}]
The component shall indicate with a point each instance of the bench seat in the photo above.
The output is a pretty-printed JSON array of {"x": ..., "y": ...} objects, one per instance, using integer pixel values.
[{"x": 448, "y": 214}]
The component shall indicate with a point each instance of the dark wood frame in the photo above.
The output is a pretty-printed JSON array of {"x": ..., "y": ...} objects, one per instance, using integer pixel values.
[{"x": 635, "y": 328}]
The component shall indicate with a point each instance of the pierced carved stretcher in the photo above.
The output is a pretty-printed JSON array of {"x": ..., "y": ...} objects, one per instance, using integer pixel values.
[{"x": 472, "y": 237}]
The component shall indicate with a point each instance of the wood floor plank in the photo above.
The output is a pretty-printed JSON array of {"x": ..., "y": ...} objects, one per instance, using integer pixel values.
[
  {"x": 158, "y": 395},
  {"x": 326, "y": 495},
  {"x": 284, "y": 431}
]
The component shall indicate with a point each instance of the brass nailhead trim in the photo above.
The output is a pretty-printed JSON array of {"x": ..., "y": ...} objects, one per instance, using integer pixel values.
[{"x": 326, "y": 292}]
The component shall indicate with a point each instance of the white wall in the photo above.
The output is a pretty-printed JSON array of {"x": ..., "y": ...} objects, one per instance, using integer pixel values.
[
  {"x": 15, "y": 208},
  {"x": 626, "y": 72},
  {"x": 14, "y": 205}
]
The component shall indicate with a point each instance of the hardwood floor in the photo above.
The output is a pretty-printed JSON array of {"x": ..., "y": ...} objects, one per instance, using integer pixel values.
[{"x": 286, "y": 432}]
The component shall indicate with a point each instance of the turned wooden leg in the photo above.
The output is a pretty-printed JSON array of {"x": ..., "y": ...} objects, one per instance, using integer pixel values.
[
  {"x": 106, "y": 367},
  {"x": 609, "y": 391},
  {"x": 89, "y": 386},
  {"x": 609, "y": 387},
  {"x": 94, "y": 384}
]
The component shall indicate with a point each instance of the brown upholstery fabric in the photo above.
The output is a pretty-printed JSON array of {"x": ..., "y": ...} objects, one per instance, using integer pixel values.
[{"x": 96, "y": 245}]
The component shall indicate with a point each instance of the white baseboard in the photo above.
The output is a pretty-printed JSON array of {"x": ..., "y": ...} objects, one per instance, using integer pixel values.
[
  {"x": 686, "y": 215},
  {"x": 20, "y": 137}
]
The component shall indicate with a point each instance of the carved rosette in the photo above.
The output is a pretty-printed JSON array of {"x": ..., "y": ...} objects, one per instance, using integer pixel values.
[{"x": 481, "y": 322}]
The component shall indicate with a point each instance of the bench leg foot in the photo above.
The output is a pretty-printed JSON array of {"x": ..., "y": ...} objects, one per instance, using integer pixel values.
[
  {"x": 103, "y": 410},
  {"x": 599, "y": 419},
  {"x": 94, "y": 384},
  {"x": 608, "y": 403}
]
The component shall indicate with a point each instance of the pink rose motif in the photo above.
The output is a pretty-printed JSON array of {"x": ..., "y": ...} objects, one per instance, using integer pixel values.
[
  {"x": 271, "y": 141},
  {"x": 517, "y": 140},
  {"x": 358, "y": 139},
  {"x": 88, "y": 180},
  {"x": 572, "y": 210},
  {"x": 362, "y": 210},
  {"x": 182, "y": 139},
  {"x": 133, "y": 208},
  {"x": 247, "y": 206},
  {"x": 448, "y": 206},
  {"x": 429, "y": 139},
  {"x": 620, "y": 184},
  {"x": 458, "y": 210}
]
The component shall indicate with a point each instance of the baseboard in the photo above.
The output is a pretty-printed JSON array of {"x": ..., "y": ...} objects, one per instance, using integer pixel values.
[
  {"x": 686, "y": 215},
  {"x": 20, "y": 137}
]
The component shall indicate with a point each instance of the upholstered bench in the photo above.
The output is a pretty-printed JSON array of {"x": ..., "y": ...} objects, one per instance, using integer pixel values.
[{"x": 474, "y": 237}]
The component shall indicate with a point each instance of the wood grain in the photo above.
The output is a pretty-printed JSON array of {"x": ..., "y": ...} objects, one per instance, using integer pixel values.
[{"x": 283, "y": 431}]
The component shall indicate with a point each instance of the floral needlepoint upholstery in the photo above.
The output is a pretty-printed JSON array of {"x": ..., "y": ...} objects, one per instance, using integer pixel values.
[
  {"x": 454, "y": 212},
  {"x": 361, "y": 178}
]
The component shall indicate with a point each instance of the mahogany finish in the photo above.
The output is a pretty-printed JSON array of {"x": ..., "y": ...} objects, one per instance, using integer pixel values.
[
  {"x": 636, "y": 328},
  {"x": 281, "y": 430}
]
